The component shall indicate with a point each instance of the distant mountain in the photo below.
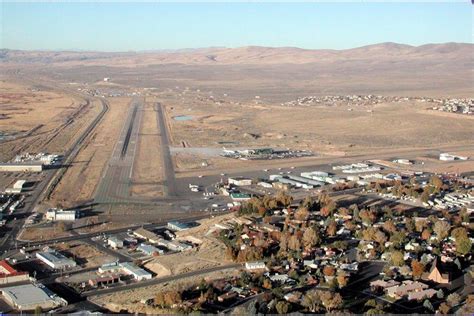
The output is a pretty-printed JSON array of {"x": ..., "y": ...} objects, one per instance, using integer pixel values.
[{"x": 245, "y": 55}]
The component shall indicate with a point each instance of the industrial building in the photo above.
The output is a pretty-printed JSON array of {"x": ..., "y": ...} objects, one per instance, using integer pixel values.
[
  {"x": 55, "y": 260},
  {"x": 138, "y": 273},
  {"x": 28, "y": 297},
  {"x": 55, "y": 214}
]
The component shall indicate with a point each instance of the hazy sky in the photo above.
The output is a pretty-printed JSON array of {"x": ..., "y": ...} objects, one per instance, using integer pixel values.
[{"x": 146, "y": 26}]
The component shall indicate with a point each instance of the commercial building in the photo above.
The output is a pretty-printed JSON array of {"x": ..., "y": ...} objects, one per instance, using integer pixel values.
[
  {"x": 177, "y": 226},
  {"x": 55, "y": 214},
  {"x": 240, "y": 196},
  {"x": 138, "y": 273},
  {"x": 115, "y": 243},
  {"x": 28, "y": 297},
  {"x": 104, "y": 280},
  {"x": 240, "y": 181},
  {"x": 55, "y": 260},
  {"x": 9, "y": 275}
]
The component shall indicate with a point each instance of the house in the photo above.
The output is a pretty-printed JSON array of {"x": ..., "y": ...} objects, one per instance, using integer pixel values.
[
  {"x": 227, "y": 296},
  {"x": 421, "y": 295},
  {"x": 350, "y": 266},
  {"x": 257, "y": 265},
  {"x": 383, "y": 284},
  {"x": 280, "y": 278}
]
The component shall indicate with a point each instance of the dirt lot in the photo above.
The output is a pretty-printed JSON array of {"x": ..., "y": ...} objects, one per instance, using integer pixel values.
[
  {"x": 80, "y": 180},
  {"x": 84, "y": 254},
  {"x": 210, "y": 253},
  {"x": 148, "y": 172},
  {"x": 42, "y": 233}
]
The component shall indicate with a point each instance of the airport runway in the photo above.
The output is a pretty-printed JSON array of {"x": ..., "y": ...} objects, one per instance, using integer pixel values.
[
  {"x": 169, "y": 176},
  {"x": 114, "y": 186}
]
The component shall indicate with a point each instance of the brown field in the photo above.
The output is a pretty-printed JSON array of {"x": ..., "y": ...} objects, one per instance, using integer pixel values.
[
  {"x": 80, "y": 180},
  {"x": 42, "y": 233},
  {"x": 84, "y": 254},
  {"x": 43, "y": 120}
]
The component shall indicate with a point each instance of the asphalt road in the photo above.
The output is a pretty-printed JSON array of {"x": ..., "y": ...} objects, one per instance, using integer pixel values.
[{"x": 160, "y": 280}]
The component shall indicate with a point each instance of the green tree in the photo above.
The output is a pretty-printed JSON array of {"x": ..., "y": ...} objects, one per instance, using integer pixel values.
[{"x": 282, "y": 307}]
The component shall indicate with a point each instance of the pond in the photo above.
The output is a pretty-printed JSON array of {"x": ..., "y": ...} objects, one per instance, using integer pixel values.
[{"x": 182, "y": 118}]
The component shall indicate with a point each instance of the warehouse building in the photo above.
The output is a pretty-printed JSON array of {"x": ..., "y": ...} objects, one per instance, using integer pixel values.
[
  {"x": 55, "y": 260},
  {"x": 28, "y": 297},
  {"x": 138, "y": 273},
  {"x": 147, "y": 235},
  {"x": 55, "y": 214}
]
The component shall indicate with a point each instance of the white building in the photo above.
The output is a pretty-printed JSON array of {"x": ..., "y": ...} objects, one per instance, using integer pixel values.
[
  {"x": 55, "y": 214},
  {"x": 28, "y": 296},
  {"x": 240, "y": 181},
  {"x": 257, "y": 265},
  {"x": 115, "y": 243},
  {"x": 450, "y": 157},
  {"x": 55, "y": 260},
  {"x": 138, "y": 273}
]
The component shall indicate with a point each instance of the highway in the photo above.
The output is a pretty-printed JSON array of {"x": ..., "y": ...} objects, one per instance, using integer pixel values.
[{"x": 157, "y": 281}]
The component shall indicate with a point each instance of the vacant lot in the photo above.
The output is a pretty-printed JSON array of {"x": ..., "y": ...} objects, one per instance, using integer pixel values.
[
  {"x": 327, "y": 131},
  {"x": 84, "y": 254},
  {"x": 38, "y": 119}
]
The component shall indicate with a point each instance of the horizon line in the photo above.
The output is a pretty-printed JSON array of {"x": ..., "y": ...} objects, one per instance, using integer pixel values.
[{"x": 170, "y": 50}]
